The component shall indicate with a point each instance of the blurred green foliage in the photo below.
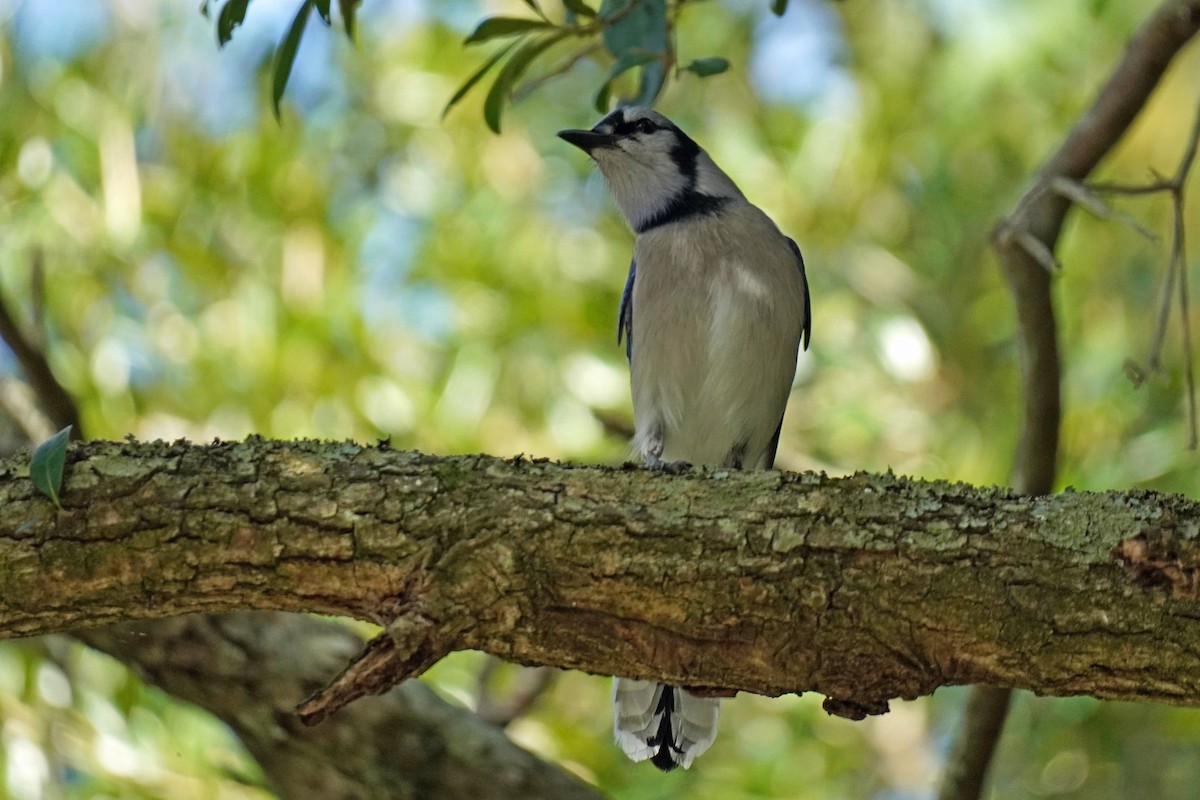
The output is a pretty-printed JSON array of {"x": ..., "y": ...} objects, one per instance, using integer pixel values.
[{"x": 367, "y": 269}]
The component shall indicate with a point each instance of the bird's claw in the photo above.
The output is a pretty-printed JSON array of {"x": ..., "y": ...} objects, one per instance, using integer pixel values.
[{"x": 669, "y": 467}]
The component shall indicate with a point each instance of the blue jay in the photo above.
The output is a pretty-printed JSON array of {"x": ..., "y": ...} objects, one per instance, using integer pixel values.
[{"x": 714, "y": 311}]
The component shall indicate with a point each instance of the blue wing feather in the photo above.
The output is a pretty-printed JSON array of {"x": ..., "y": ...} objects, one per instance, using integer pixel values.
[
  {"x": 773, "y": 446},
  {"x": 806, "y": 334},
  {"x": 625, "y": 315}
]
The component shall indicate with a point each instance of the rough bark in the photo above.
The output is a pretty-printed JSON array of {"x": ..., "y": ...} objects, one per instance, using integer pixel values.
[
  {"x": 862, "y": 588},
  {"x": 247, "y": 669}
]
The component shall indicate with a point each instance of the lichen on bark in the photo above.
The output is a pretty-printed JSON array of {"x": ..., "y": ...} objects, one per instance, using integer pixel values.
[{"x": 864, "y": 588}]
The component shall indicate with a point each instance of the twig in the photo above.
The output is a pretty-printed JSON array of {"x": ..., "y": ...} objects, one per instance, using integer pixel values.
[
  {"x": 533, "y": 84},
  {"x": 1189, "y": 374},
  {"x": 1176, "y": 187},
  {"x": 1038, "y": 250},
  {"x": 1104, "y": 187},
  {"x": 1085, "y": 197},
  {"x": 1153, "y": 359},
  {"x": 373, "y": 671}
]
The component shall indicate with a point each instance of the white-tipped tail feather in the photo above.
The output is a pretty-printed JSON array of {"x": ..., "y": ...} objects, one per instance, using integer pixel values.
[{"x": 662, "y": 723}]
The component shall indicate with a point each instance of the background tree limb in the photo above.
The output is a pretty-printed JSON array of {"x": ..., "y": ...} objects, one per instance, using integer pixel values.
[
  {"x": 248, "y": 670},
  {"x": 1026, "y": 241},
  {"x": 1035, "y": 224}
]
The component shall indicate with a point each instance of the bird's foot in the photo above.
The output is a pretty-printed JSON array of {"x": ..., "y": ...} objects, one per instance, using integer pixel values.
[{"x": 669, "y": 467}]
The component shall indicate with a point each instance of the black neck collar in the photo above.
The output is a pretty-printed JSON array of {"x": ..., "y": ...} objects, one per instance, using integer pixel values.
[{"x": 688, "y": 203}]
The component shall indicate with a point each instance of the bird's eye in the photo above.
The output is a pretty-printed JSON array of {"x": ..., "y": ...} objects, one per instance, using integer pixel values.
[{"x": 645, "y": 126}]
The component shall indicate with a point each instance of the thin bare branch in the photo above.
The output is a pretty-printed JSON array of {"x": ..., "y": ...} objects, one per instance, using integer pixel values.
[
  {"x": 1102, "y": 187},
  {"x": 533, "y": 84},
  {"x": 1038, "y": 250},
  {"x": 1185, "y": 327},
  {"x": 1175, "y": 274},
  {"x": 1084, "y": 197},
  {"x": 1166, "y": 294}
]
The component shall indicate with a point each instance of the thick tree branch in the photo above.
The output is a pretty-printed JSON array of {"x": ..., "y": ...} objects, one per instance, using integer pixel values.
[{"x": 862, "y": 588}]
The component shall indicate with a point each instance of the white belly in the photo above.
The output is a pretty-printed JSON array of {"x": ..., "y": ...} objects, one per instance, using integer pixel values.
[{"x": 714, "y": 341}]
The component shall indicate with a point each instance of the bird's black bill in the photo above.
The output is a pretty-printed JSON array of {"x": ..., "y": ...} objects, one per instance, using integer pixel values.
[{"x": 587, "y": 141}]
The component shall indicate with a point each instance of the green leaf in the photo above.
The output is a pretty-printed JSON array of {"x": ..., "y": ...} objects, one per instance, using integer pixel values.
[
  {"x": 654, "y": 75},
  {"x": 610, "y": 8},
  {"x": 579, "y": 7},
  {"x": 640, "y": 30},
  {"x": 623, "y": 65},
  {"x": 708, "y": 66},
  {"x": 46, "y": 464},
  {"x": 511, "y": 72},
  {"x": 348, "y": 9},
  {"x": 323, "y": 11},
  {"x": 778, "y": 7},
  {"x": 643, "y": 27},
  {"x": 536, "y": 7},
  {"x": 231, "y": 16},
  {"x": 474, "y": 79},
  {"x": 498, "y": 27},
  {"x": 602, "y": 98},
  {"x": 285, "y": 54},
  {"x": 204, "y": 4}
]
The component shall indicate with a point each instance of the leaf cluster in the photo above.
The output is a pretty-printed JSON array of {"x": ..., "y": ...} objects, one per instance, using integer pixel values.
[
  {"x": 636, "y": 35},
  {"x": 233, "y": 13}
]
